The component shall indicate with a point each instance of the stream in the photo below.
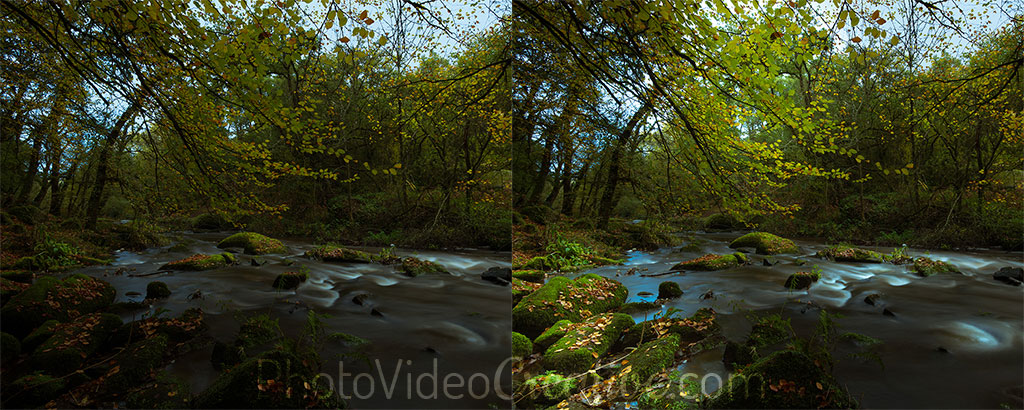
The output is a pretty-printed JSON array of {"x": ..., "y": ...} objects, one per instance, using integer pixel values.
[
  {"x": 955, "y": 341},
  {"x": 459, "y": 321}
]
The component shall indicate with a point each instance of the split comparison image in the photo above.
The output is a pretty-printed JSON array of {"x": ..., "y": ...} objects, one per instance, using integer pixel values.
[{"x": 511, "y": 204}]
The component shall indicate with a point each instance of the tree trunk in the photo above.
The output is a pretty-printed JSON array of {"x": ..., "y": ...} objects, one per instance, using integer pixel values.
[
  {"x": 97, "y": 197},
  {"x": 608, "y": 197}
]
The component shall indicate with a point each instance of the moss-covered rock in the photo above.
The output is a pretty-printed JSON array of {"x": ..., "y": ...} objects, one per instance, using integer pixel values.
[
  {"x": 521, "y": 288},
  {"x": 544, "y": 390},
  {"x": 769, "y": 330},
  {"x": 10, "y": 347},
  {"x": 49, "y": 298},
  {"x": 10, "y": 288},
  {"x": 647, "y": 360},
  {"x": 333, "y": 253},
  {"x": 765, "y": 243},
  {"x": 925, "y": 267},
  {"x": 783, "y": 380},
  {"x": 536, "y": 276},
  {"x": 693, "y": 329},
  {"x": 290, "y": 280},
  {"x": 801, "y": 280},
  {"x": 178, "y": 330},
  {"x": 39, "y": 335},
  {"x": 274, "y": 379},
  {"x": 846, "y": 253},
  {"x": 165, "y": 392},
  {"x": 33, "y": 390},
  {"x": 552, "y": 334},
  {"x": 737, "y": 356},
  {"x": 583, "y": 345},
  {"x": 669, "y": 290},
  {"x": 258, "y": 330},
  {"x": 22, "y": 276},
  {"x": 712, "y": 262},
  {"x": 71, "y": 343},
  {"x": 180, "y": 247},
  {"x": 414, "y": 267},
  {"x": 157, "y": 290},
  {"x": 200, "y": 262},
  {"x": 562, "y": 298},
  {"x": 136, "y": 363},
  {"x": 253, "y": 243},
  {"x": 521, "y": 345},
  {"x": 638, "y": 307}
]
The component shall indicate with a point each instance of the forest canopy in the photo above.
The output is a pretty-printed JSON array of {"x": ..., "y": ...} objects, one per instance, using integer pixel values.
[
  {"x": 317, "y": 113},
  {"x": 862, "y": 120}
]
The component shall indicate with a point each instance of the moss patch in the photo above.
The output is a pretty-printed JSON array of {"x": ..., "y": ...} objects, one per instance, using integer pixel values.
[
  {"x": 414, "y": 267},
  {"x": 200, "y": 262},
  {"x": 562, "y": 298},
  {"x": 275, "y": 379},
  {"x": 253, "y": 243},
  {"x": 927, "y": 267},
  {"x": 647, "y": 360},
  {"x": 521, "y": 345},
  {"x": 157, "y": 290},
  {"x": 49, "y": 298},
  {"x": 521, "y": 288},
  {"x": 33, "y": 390},
  {"x": 585, "y": 343},
  {"x": 638, "y": 307},
  {"x": 536, "y": 276},
  {"x": 701, "y": 325},
  {"x": 71, "y": 343},
  {"x": 669, "y": 290},
  {"x": 333, "y": 253},
  {"x": 765, "y": 243},
  {"x": 846, "y": 253},
  {"x": 712, "y": 262},
  {"x": 784, "y": 380}
]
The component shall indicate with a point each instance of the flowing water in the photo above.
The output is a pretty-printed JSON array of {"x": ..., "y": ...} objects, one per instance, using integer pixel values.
[
  {"x": 977, "y": 321},
  {"x": 418, "y": 327}
]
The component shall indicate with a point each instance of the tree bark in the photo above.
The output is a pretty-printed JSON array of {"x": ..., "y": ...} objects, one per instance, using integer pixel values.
[
  {"x": 608, "y": 197},
  {"x": 97, "y": 197}
]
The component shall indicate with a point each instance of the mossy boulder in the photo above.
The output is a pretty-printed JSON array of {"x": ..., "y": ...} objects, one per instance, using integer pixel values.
[
  {"x": 521, "y": 345},
  {"x": 552, "y": 334},
  {"x": 765, "y": 243},
  {"x": 703, "y": 324},
  {"x": 179, "y": 247},
  {"x": 10, "y": 347},
  {"x": 274, "y": 379},
  {"x": 10, "y": 288},
  {"x": 647, "y": 360},
  {"x": 157, "y": 290},
  {"x": 22, "y": 276},
  {"x": 33, "y": 390},
  {"x": 184, "y": 328},
  {"x": 333, "y": 253},
  {"x": 712, "y": 262},
  {"x": 253, "y": 243},
  {"x": 49, "y": 298},
  {"x": 258, "y": 330},
  {"x": 70, "y": 344},
  {"x": 926, "y": 267},
  {"x": 200, "y": 262},
  {"x": 846, "y": 253},
  {"x": 521, "y": 288},
  {"x": 136, "y": 363},
  {"x": 39, "y": 335},
  {"x": 738, "y": 355},
  {"x": 290, "y": 280},
  {"x": 536, "y": 276},
  {"x": 583, "y": 345},
  {"x": 562, "y": 298},
  {"x": 786, "y": 379},
  {"x": 801, "y": 280},
  {"x": 768, "y": 331},
  {"x": 545, "y": 390},
  {"x": 669, "y": 290},
  {"x": 414, "y": 267},
  {"x": 165, "y": 392},
  {"x": 638, "y": 307}
]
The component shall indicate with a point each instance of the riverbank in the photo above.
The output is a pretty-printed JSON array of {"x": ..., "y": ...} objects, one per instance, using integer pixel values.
[{"x": 907, "y": 328}]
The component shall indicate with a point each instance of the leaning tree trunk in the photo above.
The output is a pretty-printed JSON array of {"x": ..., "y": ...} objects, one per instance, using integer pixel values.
[
  {"x": 608, "y": 198},
  {"x": 97, "y": 197}
]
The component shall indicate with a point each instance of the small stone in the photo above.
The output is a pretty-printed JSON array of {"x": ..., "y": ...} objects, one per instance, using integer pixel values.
[
  {"x": 360, "y": 299},
  {"x": 1010, "y": 275},
  {"x": 872, "y": 299},
  {"x": 498, "y": 275},
  {"x": 376, "y": 312},
  {"x": 888, "y": 312}
]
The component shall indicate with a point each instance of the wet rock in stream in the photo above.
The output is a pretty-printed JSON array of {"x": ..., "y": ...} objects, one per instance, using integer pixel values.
[
  {"x": 497, "y": 275},
  {"x": 1010, "y": 275}
]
